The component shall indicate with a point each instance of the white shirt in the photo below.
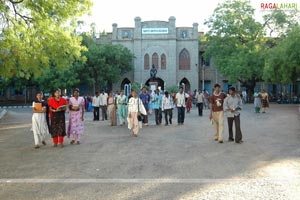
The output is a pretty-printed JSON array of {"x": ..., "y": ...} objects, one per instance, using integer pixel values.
[
  {"x": 103, "y": 99},
  {"x": 167, "y": 102},
  {"x": 199, "y": 97},
  {"x": 96, "y": 101},
  {"x": 180, "y": 98},
  {"x": 133, "y": 106},
  {"x": 232, "y": 103}
]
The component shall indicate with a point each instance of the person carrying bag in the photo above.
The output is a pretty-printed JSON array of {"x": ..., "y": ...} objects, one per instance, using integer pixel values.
[{"x": 135, "y": 109}]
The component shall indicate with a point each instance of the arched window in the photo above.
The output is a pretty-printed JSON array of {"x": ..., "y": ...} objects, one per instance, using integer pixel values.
[
  {"x": 163, "y": 61},
  {"x": 146, "y": 62},
  {"x": 184, "y": 60},
  {"x": 155, "y": 60}
]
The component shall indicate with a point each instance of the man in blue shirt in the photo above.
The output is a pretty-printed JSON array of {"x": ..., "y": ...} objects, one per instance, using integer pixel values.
[
  {"x": 157, "y": 101},
  {"x": 145, "y": 97}
]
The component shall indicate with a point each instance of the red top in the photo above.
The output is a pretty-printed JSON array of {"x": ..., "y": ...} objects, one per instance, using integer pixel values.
[{"x": 53, "y": 103}]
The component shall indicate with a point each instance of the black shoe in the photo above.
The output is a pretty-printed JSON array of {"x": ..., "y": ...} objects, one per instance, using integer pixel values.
[
  {"x": 239, "y": 142},
  {"x": 230, "y": 140},
  {"x": 220, "y": 141}
]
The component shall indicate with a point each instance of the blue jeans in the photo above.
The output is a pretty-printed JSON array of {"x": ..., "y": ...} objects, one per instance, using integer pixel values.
[{"x": 180, "y": 117}]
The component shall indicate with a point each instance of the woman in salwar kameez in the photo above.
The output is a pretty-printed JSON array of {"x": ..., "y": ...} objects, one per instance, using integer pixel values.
[
  {"x": 121, "y": 103},
  {"x": 76, "y": 126},
  {"x": 111, "y": 107},
  {"x": 39, "y": 122},
  {"x": 57, "y": 106},
  {"x": 257, "y": 102}
]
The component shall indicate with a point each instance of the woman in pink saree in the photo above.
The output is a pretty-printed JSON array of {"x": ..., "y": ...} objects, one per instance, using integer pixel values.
[{"x": 76, "y": 126}]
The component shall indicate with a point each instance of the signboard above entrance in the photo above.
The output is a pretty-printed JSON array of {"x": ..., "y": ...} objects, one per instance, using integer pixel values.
[{"x": 155, "y": 31}]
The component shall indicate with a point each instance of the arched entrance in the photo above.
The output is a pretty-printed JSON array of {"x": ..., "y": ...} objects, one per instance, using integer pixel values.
[
  {"x": 124, "y": 82},
  {"x": 160, "y": 83},
  {"x": 125, "y": 85},
  {"x": 186, "y": 84}
]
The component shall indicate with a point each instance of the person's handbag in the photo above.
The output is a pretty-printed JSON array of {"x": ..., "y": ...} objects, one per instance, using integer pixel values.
[{"x": 139, "y": 116}]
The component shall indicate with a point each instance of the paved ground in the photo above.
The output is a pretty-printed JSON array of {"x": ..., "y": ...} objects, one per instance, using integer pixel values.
[{"x": 165, "y": 162}]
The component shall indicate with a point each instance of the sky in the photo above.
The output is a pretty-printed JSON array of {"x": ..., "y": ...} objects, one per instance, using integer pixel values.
[{"x": 106, "y": 12}]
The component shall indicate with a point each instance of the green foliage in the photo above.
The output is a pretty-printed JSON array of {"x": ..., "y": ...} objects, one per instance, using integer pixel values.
[
  {"x": 278, "y": 22},
  {"x": 235, "y": 41},
  {"x": 37, "y": 34},
  {"x": 283, "y": 60},
  {"x": 242, "y": 52},
  {"x": 105, "y": 63},
  {"x": 136, "y": 87},
  {"x": 172, "y": 89},
  {"x": 52, "y": 78}
]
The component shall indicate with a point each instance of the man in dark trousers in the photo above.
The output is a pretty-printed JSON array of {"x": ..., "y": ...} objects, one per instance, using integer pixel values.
[
  {"x": 96, "y": 105},
  {"x": 180, "y": 99},
  {"x": 232, "y": 106},
  {"x": 200, "y": 100}
]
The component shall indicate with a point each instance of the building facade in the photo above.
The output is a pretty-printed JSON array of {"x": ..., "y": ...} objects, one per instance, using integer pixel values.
[{"x": 172, "y": 50}]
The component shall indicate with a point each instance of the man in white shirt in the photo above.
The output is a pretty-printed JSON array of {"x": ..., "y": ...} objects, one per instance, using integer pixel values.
[
  {"x": 200, "y": 101},
  {"x": 103, "y": 104},
  {"x": 96, "y": 104},
  {"x": 181, "y": 104},
  {"x": 232, "y": 105},
  {"x": 167, "y": 107}
]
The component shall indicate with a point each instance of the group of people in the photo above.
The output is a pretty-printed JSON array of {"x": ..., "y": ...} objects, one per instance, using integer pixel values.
[
  {"x": 134, "y": 109},
  {"x": 261, "y": 101},
  {"x": 49, "y": 117}
]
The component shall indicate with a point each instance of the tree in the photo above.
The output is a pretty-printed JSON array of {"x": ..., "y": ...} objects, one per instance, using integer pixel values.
[
  {"x": 236, "y": 42},
  {"x": 172, "y": 89},
  {"x": 136, "y": 86},
  {"x": 38, "y": 34},
  {"x": 283, "y": 60},
  {"x": 106, "y": 63},
  {"x": 63, "y": 79}
]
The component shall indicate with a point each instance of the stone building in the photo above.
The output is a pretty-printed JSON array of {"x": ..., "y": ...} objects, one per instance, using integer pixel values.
[{"x": 172, "y": 50}]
